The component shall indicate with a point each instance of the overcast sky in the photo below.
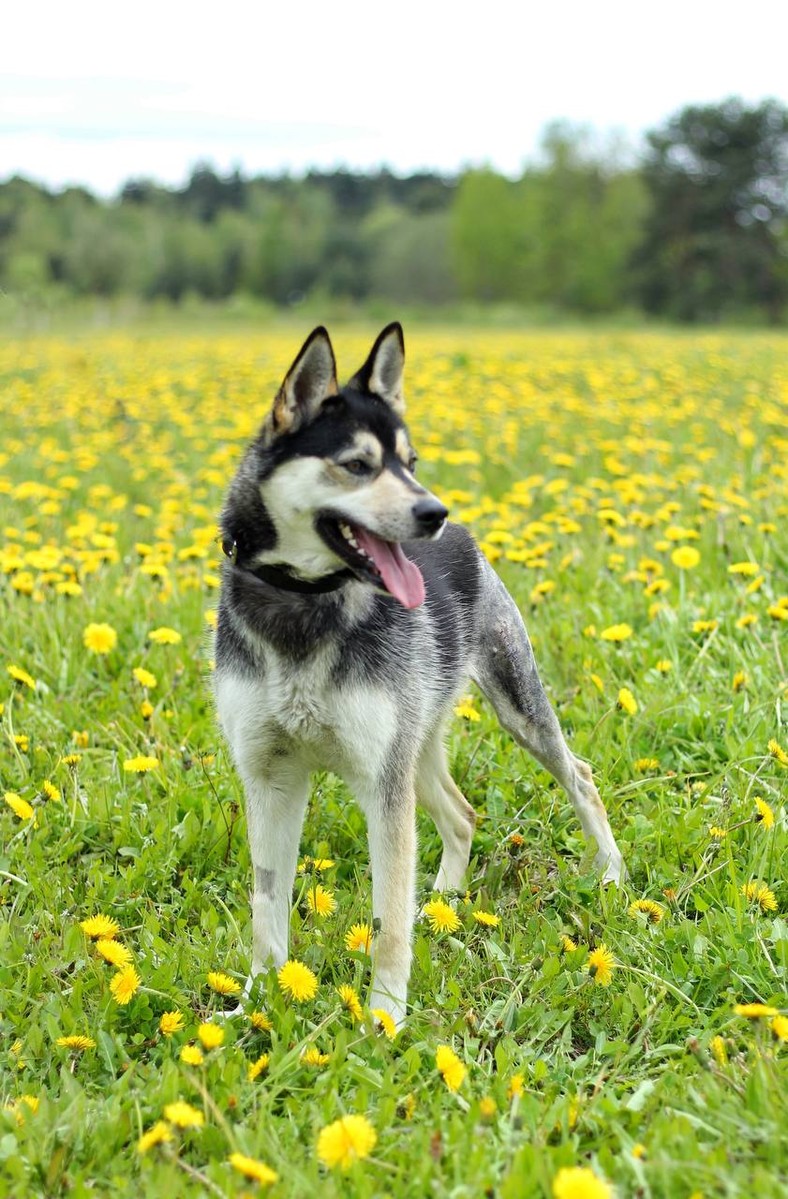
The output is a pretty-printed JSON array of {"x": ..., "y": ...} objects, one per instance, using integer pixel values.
[{"x": 96, "y": 93}]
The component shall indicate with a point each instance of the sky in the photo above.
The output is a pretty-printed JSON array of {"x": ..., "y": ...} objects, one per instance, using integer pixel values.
[{"x": 94, "y": 94}]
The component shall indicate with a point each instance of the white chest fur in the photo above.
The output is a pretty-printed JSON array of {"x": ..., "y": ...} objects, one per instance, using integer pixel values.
[{"x": 299, "y": 709}]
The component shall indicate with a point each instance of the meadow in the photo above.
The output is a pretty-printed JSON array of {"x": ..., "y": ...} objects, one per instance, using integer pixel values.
[{"x": 565, "y": 1041}]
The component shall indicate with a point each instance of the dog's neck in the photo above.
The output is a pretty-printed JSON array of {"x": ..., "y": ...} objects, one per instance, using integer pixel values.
[{"x": 284, "y": 580}]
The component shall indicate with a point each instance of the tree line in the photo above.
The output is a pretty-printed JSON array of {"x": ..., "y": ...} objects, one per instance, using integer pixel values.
[{"x": 696, "y": 229}]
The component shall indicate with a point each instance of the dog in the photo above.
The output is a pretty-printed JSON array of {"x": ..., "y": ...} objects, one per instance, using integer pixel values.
[{"x": 351, "y": 616}]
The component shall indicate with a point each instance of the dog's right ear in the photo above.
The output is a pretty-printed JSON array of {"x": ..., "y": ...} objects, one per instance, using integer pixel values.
[{"x": 311, "y": 379}]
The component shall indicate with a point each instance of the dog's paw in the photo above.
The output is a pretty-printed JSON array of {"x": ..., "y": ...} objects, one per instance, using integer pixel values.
[{"x": 613, "y": 871}]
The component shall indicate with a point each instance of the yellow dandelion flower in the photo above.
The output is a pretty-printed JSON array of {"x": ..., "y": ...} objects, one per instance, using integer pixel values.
[
  {"x": 779, "y": 1027},
  {"x": 441, "y": 916},
  {"x": 449, "y": 1066},
  {"x": 156, "y": 1135},
  {"x": 754, "y": 1011},
  {"x": 616, "y": 632},
  {"x": 627, "y": 701},
  {"x": 488, "y": 919},
  {"x": 211, "y": 1035},
  {"x": 664, "y": 666},
  {"x": 778, "y": 611},
  {"x": 765, "y": 814},
  {"x": 170, "y": 1023},
  {"x": 317, "y": 864},
  {"x": 99, "y": 638},
  {"x": 642, "y": 765},
  {"x": 719, "y": 1052},
  {"x": 777, "y": 751},
  {"x": 347, "y": 1140},
  {"x": 124, "y": 985},
  {"x": 51, "y": 792},
  {"x": 141, "y": 764},
  {"x": 320, "y": 900},
  {"x": 739, "y": 681},
  {"x": 183, "y": 1115},
  {"x": 465, "y": 708},
  {"x": 567, "y": 944},
  {"x": 256, "y": 1068},
  {"x": 20, "y": 807},
  {"x": 358, "y": 938},
  {"x": 580, "y": 1182},
  {"x": 297, "y": 981},
  {"x": 144, "y": 677},
  {"x": 251, "y": 1168},
  {"x": 598, "y": 683},
  {"x": 705, "y": 626},
  {"x": 350, "y": 1000},
  {"x": 146, "y": 709},
  {"x": 100, "y": 926},
  {"x": 757, "y": 892},
  {"x": 385, "y": 1021},
  {"x": 406, "y": 1109},
  {"x": 747, "y": 569},
  {"x": 76, "y": 1042},
  {"x": 311, "y": 1056},
  {"x": 21, "y": 676},
  {"x": 601, "y": 965},
  {"x": 686, "y": 557},
  {"x": 649, "y": 908},
  {"x": 192, "y": 1055},
  {"x": 222, "y": 984},
  {"x": 71, "y": 760},
  {"x": 260, "y": 1021},
  {"x": 113, "y": 952},
  {"x": 718, "y": 833},
  {"x": 516, "y": 1086},
  {"x": 639, "y": 1151},
  {"x": 164, "y": 636}
]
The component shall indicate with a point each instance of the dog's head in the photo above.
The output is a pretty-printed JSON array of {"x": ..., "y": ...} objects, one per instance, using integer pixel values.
[{"x": 329, "y": 483}]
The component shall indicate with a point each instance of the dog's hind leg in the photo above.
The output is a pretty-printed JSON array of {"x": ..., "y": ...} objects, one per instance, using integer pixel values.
[
  {"x": 455, "y": 819},
  {"x": 275, "y": 806},
  {"x": 505, "y": 669}
]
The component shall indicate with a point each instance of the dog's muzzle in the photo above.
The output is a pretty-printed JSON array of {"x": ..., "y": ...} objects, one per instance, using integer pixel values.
[{"x": 430, "y": 517}]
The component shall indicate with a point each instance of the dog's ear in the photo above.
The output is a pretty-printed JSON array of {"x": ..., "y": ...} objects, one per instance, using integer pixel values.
[
  {"x": 311, "y": 379},
  {"x": 382, "y": 373}
]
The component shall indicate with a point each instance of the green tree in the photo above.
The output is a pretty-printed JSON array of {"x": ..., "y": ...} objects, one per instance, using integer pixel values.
[{"x": 714, "y": 242}]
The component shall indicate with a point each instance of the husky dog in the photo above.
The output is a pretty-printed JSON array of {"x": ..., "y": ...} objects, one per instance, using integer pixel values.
[{"x": 351, "y": 617}]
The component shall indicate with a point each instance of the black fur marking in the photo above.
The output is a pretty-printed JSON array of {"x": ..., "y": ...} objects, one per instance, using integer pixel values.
[
  {"x": 264, "y": 881},
  {"x": 231, "y": 648},
  {"x": 294, "y": 625}
]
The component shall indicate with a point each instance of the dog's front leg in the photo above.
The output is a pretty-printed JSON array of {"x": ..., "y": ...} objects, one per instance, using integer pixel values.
[
  {"x": 275, "y": 807},
  {"x": 391, "y": 821}
]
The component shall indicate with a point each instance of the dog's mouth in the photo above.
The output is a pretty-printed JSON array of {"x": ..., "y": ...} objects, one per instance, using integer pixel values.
[{"x": 373, "y": 560}]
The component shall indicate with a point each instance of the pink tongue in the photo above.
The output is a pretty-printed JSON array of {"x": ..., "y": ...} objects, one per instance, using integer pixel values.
[{"x": 401, "y": 576}]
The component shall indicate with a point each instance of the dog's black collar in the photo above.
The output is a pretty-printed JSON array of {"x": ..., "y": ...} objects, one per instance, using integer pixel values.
[{"x": 285, "y": 580}]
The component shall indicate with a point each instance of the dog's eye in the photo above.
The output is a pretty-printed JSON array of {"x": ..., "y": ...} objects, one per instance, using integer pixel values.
[
  {"x": 412, "y": 464},
  {"x": 358, "y": 467}
]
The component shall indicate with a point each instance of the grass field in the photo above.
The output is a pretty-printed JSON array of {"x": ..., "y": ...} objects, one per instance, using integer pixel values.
[{"x": 564, "y": 1040}]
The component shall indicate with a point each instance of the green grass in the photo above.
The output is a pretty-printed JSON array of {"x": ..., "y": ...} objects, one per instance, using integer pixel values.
[{"x": 138, "y": 434}]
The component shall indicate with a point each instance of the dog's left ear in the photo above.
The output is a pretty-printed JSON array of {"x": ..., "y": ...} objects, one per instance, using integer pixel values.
[
  {"x": 311, "y": 379},
  {"x": 382, "y": 372}
]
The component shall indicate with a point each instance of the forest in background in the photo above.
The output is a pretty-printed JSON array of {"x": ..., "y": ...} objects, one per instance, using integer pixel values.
[{"x": 696, "y": 229}]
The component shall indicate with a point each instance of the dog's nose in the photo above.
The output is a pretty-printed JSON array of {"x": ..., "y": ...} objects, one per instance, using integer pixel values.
[{"x": 429, "y": 515}]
